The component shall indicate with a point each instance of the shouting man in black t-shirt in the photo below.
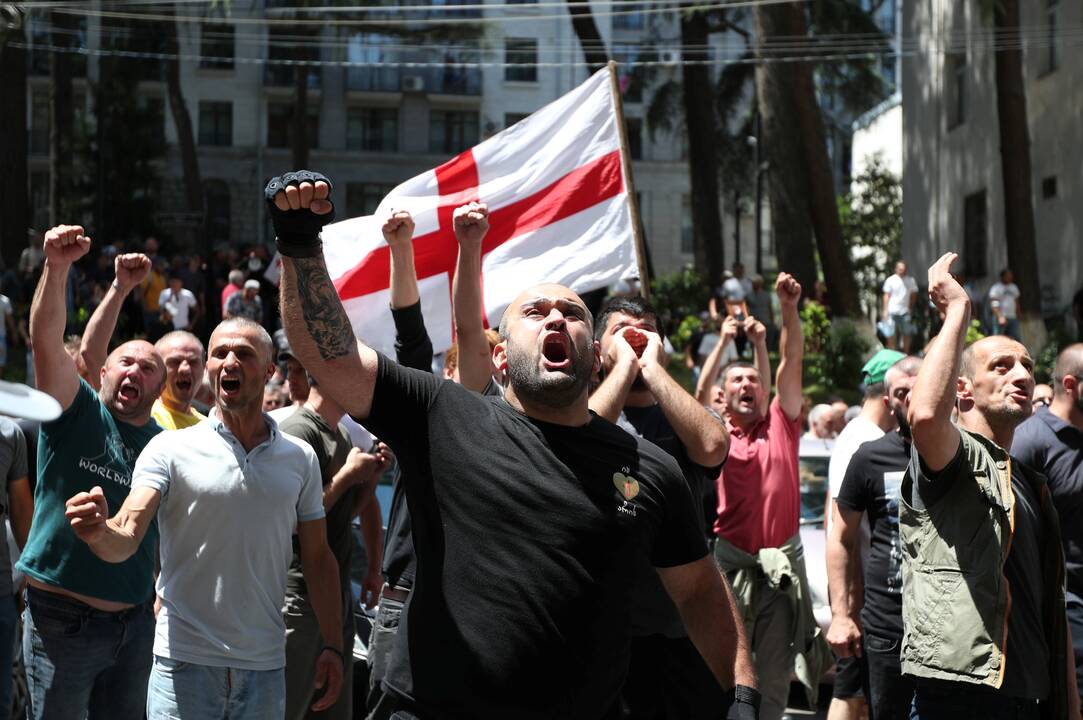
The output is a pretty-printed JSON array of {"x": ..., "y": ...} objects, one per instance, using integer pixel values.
[
  {"x": 870, "y": 486},
  {"x": 667, "y": 678},
  {"x": 529, "y": 513}
]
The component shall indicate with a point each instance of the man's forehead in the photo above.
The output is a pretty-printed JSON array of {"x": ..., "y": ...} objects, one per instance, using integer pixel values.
[
  {"x": 135, "y": 348},
  {"x": 997, "y": 346},
  {"x": 741, "y": 372},
  {"x": 186, "y": 346}
]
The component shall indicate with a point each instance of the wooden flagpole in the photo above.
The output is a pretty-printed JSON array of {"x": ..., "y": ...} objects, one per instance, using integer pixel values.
[{"x": 629, "y": 185}]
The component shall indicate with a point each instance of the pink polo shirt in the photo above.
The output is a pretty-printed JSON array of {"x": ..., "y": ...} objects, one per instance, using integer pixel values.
[{"x": 759, "y": 496}]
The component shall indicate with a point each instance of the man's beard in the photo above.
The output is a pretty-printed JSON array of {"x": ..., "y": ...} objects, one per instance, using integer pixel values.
[
  {"x": 557, "y": 389},
  {"x": 900, "y": 417}
]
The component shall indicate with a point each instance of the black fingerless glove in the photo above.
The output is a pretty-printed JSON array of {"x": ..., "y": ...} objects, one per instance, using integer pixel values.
[
  {"x": 745, "y": 703},
  {"x": 297, "y": 232}
]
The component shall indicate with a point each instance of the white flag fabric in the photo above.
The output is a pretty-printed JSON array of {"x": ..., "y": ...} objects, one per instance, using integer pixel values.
[{"x": 558, "y": 212}]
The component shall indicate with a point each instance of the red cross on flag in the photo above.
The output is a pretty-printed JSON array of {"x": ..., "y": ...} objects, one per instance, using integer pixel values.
[{"x": 558, "y": 212}]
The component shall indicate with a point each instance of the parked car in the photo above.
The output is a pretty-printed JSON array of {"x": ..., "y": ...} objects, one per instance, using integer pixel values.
[{"x": 813, "y": 458}]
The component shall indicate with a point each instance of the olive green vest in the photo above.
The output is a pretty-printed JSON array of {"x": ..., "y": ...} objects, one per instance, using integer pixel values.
[{"x": 955, "y": 596}]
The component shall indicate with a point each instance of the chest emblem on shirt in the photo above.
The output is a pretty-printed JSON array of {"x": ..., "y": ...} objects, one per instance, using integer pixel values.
[{"x": 627, "y": 486}]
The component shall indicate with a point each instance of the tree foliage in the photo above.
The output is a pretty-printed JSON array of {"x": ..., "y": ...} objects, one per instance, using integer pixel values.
[{"x": 871, "y": 221}]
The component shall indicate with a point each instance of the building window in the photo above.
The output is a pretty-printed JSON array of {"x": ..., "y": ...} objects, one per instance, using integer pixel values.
[
  {"x": 630, "y": 76},
  {"x": 957, "y": 76},
  {"x": 154, "y": 107},
  {"x": 521, "y": 54},
  {"x": 635, "y": 137},
  {"x": 373, "y": 129},
  {"x": 628, "y": 19},
  {"x": 216, "y": 200},
  {"x": 512, "y": 118},
  {"x": 688, "y": 242},
  {"x": 1051, "y": 54},
  {"x": 1049, "y": 187},
  {"x": 279, "y": 119},
  {"x": 290, "y": 45},
  {"x": 39, "y": 121},
  {"x": 975, "y": 235},
  {"x": 216, "y": 123},
  {"x": 452, "y": 131},
  {"x": 363, "y": 198},
  {"x": 216, "y": 46}
]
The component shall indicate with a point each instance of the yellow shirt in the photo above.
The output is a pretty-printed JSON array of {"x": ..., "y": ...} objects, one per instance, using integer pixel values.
[
  {"x": 173, "y": 420},
  {"x": 152, "y": 290}
]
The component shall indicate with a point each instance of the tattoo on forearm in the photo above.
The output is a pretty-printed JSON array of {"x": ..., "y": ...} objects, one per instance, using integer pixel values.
[{"x": 324, "y": 316}]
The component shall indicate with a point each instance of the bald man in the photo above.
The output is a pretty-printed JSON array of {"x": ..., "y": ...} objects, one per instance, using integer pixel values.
[
  {"x": 88, "y": 625},
  {"x": 529, "y": 513},
  {"x": 1052, "y": 442},
  {"x": 984, "y": 627}
]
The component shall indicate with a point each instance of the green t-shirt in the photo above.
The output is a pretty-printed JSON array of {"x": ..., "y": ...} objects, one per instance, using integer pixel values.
[
  {"x": 332, "y": 446},
  {"x": 84, "y": 447}
]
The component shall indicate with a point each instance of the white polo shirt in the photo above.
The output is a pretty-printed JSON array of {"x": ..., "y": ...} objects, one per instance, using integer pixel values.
[{"x": 226, "y": 521}]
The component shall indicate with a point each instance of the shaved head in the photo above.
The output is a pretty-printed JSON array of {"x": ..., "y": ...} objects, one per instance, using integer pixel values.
[
  {"x": 261, "y": 336},
  {"x": 975, "y": 354},
  {"x": 1069, "y": 362},
  {"x": 544, "y": 290},
  {"x": 136, "y": 346}
]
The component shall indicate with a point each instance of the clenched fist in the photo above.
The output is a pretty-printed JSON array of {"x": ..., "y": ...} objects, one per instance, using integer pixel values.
[
  {"x": 300, "y": 205},
  {"x": 471, "y": 222},
  {"x": 131, "y": 269},
  {"x": 787, "y": 289},
  {"x": 87, "y": 513},
  {"x": 398, "y": 229},
  {"x": 65, "y": 244}
]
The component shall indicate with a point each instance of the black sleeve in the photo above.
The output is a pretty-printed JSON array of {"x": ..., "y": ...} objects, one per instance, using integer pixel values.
[
  {"x": 400, "y": 404},
  {"x": 1027, "y": 446},
  {"x": 854, "y": 491},
  {"x": 413, "y": 348},
  {"x": 678, "y": 530},
  {"x": 932, "y": 486}
]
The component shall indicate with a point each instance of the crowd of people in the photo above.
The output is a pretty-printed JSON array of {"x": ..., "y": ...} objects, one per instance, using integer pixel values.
[{"x": 572, "y": 533}]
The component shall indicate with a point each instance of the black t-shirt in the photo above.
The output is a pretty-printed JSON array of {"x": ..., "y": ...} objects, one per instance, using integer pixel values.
[
  {"x": 871, "y": 486},
  {"x": 525, "y": 535},
  {"x": 1026, "y": 654},
  {"x": 653, "y": 612}
]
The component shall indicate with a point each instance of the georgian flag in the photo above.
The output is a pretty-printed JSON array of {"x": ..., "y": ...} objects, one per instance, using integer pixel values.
[{"x": 558, "y": 212}]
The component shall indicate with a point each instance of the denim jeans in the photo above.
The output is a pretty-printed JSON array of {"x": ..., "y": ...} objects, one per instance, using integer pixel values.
[
  {"x": 303, "y": 647},
  {"x": 890, "y": 695},
  {"x": 1074, "y": 606},
  {"x": 187, "y": 690},
  {"x": 9, "y": 621},
  {"x": 381, "y": 641},
  {"x": 956, "y": 701},
  {"x": 85, "y": 662}
]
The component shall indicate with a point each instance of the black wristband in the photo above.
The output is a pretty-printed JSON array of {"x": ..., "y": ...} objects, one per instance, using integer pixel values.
[
  {"x": 744, "y": 703},
  {"x": 336, "y": 651},
  {"x": 297, "y": 232},
  {"x": 745, "y": 694}
]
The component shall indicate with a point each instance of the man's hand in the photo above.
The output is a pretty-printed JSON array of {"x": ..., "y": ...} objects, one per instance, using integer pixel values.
[
  {"x": 844, "y": 636},
  {"x": 399, "y": 228},
  {"x": 945, "y": 290},
  {"x": 131, "y": 270},
  {"x": 787, "y": 289},
  {"x": 755, "y": 330},
  {"x": 371, "y": 585},
  {"x": 653, "y": 349},
  {"x": 622, "y": 352},
  {"x": 87, "y": 513},
  {"x": 329, "y": 667},
  {"x": 300, "y": 205},
  {"x": 65, "y": 244},
  {"x": 730, "y": 326},
  {"x": 471, "y": 222}
]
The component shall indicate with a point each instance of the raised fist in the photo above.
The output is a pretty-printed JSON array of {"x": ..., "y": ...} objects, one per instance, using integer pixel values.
[
  {"x": 398, "y": 229},
  {"x": 755, "y": 330},
  {"x": 471, "y": 222},
  {"x": 87, "y": 513},
  {"x": 730, "y": 327},
  {"x": 131, "y": 269},
  {"x": 300, "y": 205},
  {"x": 65, "y": 244},
  {"x": 944, "y": 289},
  {"x": 787, "y": 289}
]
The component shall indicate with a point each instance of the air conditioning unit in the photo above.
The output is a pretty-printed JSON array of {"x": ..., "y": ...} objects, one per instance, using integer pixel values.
[{"x": 413, "y": 83}]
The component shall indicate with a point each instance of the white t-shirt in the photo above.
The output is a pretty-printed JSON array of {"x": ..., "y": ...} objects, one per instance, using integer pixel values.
[
  {"x": 226, "y": 525},
  {"x": 856, "y": 433},
  {"x": 179, "y": 306},
  {"x": 898, "y": 290},
  {"x": 1005, "y": 295},
  {"x": 5, "y": 310}
]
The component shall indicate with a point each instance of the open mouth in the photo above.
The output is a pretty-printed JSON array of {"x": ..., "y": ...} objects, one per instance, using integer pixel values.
[
  {"x": 555, "y": 352},
  {"x": 230, "y": 385},
  {"x": 184, "y": 384},
  {"x": 128, "y": 392}
]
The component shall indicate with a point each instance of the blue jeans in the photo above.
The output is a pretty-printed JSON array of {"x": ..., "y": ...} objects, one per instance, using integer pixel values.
[
  {"x": 9, "y": 621},
  {"x": 187, "y": 690},
  {"x": 85, "y": 662}
]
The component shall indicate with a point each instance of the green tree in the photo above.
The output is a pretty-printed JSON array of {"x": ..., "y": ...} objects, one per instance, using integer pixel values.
[{"x": 871, "y": 222}]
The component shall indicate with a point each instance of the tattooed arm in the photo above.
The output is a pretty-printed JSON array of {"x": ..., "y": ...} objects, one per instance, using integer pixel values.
[{"x": 316, "y": 323}]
